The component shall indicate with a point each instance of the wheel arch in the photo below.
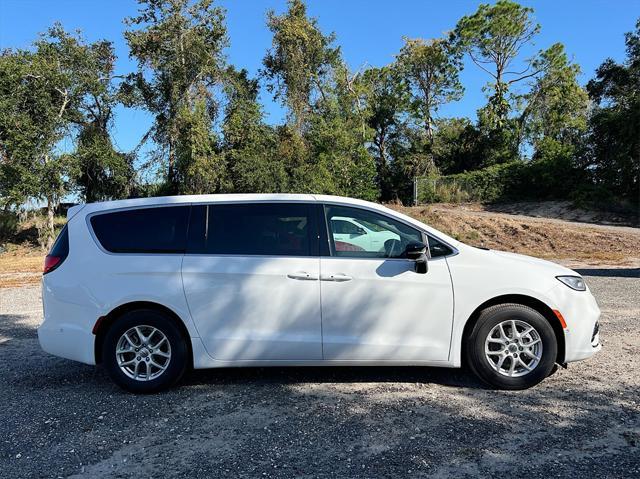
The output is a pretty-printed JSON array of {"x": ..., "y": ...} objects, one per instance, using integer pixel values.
[
  {"x": 105, "y": 322},
  {"x": 525, "y": 300}
]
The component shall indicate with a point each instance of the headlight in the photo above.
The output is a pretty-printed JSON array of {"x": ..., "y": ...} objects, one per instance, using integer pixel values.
[{"x": 574, "y": 282}]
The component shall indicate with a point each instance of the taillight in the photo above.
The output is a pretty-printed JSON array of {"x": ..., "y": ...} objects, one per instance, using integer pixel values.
[
  {"x": 51, "y": 263},
  {"x": 59, "y": 252}
]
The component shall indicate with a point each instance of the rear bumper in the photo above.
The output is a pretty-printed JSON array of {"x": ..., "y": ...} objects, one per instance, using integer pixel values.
[
  {"x": 66, "y": 329},
  {"x": 67, "y": 341}
]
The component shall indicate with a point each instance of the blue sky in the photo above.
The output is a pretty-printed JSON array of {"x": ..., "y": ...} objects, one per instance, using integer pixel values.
[{"x": 369, "y": 31}]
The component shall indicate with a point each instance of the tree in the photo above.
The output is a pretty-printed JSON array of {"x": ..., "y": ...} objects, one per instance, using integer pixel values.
[
  {"x": 457, "y": 146},
  {"x": 299, "y": 61},
  {"x": 431, "y": 71},
  {"x": 387, "y": 101},
  {"x": 40, "y": 93},
  {"x": 614, "y": 151},
  {"x": 557, "y": 106},
  {"x": 493, "y": 37},
  {"x": 322, "y": 146},
  {"x": 338, "y": 161},
  {"x": 99, "y": 171},
  {"x": 250, "y": 144},
  {"x": 179, "y": 47}
]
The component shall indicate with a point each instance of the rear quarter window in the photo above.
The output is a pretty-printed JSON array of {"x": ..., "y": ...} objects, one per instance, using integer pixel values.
[{"x": 143, "y": 230}]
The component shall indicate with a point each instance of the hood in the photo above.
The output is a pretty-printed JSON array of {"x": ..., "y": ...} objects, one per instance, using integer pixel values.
[
  {"x": 503, "y": 262},
  {"x": 524, "y": 260}
]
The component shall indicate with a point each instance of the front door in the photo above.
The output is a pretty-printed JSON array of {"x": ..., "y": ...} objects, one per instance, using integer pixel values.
[
  {"x": 250, "y": 277},
  {"x": 375, "y": 307}
]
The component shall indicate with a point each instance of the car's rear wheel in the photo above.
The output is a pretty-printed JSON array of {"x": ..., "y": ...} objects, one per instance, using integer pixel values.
[
  {"x": 511, "y": 346},
  {"x": 144, "y": 352}
]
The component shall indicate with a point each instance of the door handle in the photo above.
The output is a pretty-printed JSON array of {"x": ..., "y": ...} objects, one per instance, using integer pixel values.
[
  {"x": 302, "y": 276},
  {"x": 338, "y": 277}
]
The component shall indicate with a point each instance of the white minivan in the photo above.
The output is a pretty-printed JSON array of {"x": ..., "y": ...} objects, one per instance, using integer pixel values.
[{"x": 150, "y": 287}]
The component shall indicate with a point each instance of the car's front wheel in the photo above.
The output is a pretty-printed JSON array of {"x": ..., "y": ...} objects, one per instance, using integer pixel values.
[
  {"x": 511, "y": 346},
  {"x": 144, "y": 352}
]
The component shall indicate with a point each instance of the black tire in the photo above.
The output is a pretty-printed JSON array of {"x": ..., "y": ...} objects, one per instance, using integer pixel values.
[
  {"x": 475, "y": 346},
  {"x": 176, "y": 364}
]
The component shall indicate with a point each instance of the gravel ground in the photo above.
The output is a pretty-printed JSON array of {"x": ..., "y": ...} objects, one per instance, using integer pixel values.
[{"x": 59, "y": 418}]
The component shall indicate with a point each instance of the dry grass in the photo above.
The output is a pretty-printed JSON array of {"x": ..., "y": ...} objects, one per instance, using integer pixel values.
[
  {"x": 541, "y": 237},
  {"x": 20, "y": 265}
]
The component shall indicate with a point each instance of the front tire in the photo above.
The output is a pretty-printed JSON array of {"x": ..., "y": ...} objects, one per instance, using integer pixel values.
[
  {"x": 144, "y": 352},
  {"x": 511, "y": 346}
]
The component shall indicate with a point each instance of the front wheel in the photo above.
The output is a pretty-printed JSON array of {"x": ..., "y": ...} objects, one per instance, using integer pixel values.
[
  {"x": 511, "y": 346},
  {"x": 144, "y": 352}
]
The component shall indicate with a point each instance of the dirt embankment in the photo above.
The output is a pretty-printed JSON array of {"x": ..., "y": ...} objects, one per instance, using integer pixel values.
[
  {"x": 502, "y": 227},
  {"x": 569, "y": 242}
]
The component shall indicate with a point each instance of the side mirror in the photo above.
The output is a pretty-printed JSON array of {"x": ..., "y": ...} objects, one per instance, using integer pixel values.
[{"x": 417, "y": 252}]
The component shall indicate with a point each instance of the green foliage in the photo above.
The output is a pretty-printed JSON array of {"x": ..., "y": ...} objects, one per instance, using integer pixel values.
[
  {"x": 99, "y": 171},
  {"x": 9, "y": 222},
  {"x": 431, "y": 71},
  {"x": 250, "y": 145},
  {"x": 457, "y": 146},
  {"x": 557, "y": 106},
  {"x": 179, "y": 48},
  {"x": 329, "y": 154},
  {"x": 200, "y": 167},
  {"x": 366, "y": 133},
  {"x": 614, "y": 139},
  {"x": 386, "y": 99},
  {"x": 493, "y": 36},
  {"x": 41, "y": 92},
  {"x": 299, "y": 61}
]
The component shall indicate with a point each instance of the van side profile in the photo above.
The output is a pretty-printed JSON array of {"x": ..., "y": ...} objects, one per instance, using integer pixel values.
[{"x": 150, "y": 287}]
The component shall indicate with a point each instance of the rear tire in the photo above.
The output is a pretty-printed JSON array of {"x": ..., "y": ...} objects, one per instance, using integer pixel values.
[
  {"x": 144, "y": 351},
  {"x": 511, "y": 346}
]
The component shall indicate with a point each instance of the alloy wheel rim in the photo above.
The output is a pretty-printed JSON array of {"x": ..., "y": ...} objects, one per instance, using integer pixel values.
[
  {"x": 143, "y": 353},
  {"x": 513, "y": 348}
]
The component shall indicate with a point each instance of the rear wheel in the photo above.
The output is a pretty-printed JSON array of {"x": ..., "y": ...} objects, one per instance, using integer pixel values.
[
  {"x": 144, "y": 352},
  {"x": 511, "y": 346}
]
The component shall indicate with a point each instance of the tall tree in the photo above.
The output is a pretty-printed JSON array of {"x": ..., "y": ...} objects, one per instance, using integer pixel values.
[
  {"x": 557, "y": 106},
  {"x": 338, "y": 159},
  {"x": 179, "y": 47},
  {"x": 431, "y": 69},
  {"x": 387, "y": 102},
  {"x": 40, "y": 95},
  {"x": 554, "y": 122},
  {"x": 322, "y": 145},
  {"x": 250, "y": 144},
  {"x": 99, "y": 171},
  {"x": 299, "y": 61},
  {"x": 615, "y": 124},
  {"x": 493, "y": 37}
]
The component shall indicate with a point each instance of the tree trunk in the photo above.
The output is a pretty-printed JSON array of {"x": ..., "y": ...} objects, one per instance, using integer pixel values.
[
  {"x": 429, "y": 129},
  {"x": 171, "y": 173},
  {"x": 50, "y": 227}
]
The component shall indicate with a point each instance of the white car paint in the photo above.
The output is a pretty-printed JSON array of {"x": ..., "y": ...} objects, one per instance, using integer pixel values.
[
  {"x": 369, "y": 241},
  {"x": 249, "y": 311}
]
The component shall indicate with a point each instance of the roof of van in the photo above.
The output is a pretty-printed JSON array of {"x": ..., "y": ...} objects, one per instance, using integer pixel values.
[{"x": 221, "y": 198}]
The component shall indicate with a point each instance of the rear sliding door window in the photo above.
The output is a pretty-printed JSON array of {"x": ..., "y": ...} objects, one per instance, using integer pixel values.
[
  {"x": 280, "y": 229},
  {"x": 144, "y": 230}
]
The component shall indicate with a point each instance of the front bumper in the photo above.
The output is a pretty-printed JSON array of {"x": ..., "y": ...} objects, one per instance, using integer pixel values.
[{"x": 581, "y": 313}]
